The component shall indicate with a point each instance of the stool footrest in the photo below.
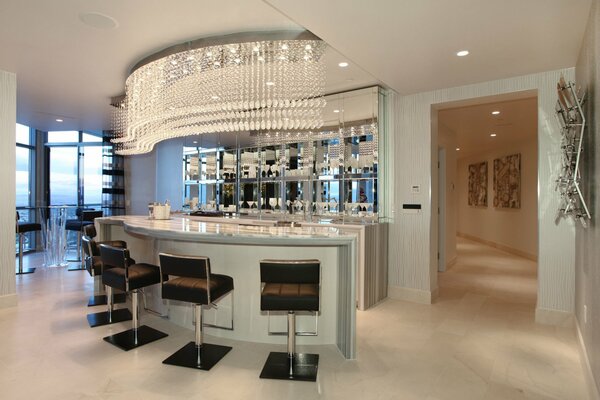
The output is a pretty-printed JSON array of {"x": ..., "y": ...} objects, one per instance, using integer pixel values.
[
  {"x": 303, "y": 367},
  {"x": 25, "y": 271},
  {"x": 100, "y": 300},
  {"x": 127, "y": 340},
  {"x": 187, "y": 356},
  {"x": 101, "y": 318}
]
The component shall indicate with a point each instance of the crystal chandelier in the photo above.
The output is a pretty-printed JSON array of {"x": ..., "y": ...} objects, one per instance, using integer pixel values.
[{"x": 258, "y": 82}]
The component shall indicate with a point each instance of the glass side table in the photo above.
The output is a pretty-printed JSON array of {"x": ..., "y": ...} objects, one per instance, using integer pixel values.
[{"x": 54, "y": 235}]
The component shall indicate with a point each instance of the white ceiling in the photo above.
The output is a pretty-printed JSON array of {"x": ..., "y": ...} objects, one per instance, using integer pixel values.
[
  {"x": 66, "y": 69},
  {"x": 69, "y": 70},
  {"x": 473, "y": 124},
  {"x": 411, "y": 45}
]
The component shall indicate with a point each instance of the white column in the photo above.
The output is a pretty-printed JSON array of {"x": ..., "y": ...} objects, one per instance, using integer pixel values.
[{"x": 8, "y": 120}]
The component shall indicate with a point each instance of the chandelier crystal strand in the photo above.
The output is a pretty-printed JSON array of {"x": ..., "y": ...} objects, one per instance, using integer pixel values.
[{"x": 254, "y": 86}]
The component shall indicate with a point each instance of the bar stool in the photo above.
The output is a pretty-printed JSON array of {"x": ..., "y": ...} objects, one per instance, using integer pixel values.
[
  {"x": 129, "y": 277},
  {"x": 85, "y": 217},
  {"x": 194, "y": 283},
  {"x": 97, "y": 267},
  {"x": 290, "y": 285},
  {"x": 21, "y": 229},
  {"x": 93, "y": 262}
]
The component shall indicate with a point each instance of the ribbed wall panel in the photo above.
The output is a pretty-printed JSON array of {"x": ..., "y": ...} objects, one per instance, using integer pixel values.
[
  {"x": 412, "y": 259},
  {"x": 8, "y": 115}
]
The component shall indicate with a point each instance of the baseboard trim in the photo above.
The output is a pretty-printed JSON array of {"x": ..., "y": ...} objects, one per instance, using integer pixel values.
[
  {"x": 412, "y": 295},
  {"x": 590, "y": 382},
  {"x": 499, "y": 246},
  {"x": 451, "y": 262},
  {"x": 9, "y": 300},
  {"x": 546, "y": 316}
]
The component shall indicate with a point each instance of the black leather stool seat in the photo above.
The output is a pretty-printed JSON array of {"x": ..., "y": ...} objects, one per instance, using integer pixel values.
[
  {"x": 76, "y": 225},
  {"x": 23, "y": 227},
  {"x": 140, "y": 275},
  {"x": 193, "y": 290},
  {"x": 290, "y": 296}
]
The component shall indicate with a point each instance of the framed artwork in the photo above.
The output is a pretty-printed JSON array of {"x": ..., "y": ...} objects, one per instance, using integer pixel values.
[
  {"x": 478, "y": 179},
  {"x": 507, "y": 181}
]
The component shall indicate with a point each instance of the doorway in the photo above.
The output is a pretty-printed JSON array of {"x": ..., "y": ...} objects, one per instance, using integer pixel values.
[{"x": 486, "y": 187}]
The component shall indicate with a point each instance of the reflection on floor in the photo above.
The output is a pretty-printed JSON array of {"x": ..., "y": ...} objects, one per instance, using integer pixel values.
[{"x": 478, "y": 341}]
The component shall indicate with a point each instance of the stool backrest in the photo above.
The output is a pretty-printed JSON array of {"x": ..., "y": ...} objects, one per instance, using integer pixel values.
[
  {"x": 89, "y": 231},
  {"x": 114, "y": 257},
  {"x": 89, "y": 246},
  {"x": 89, "y": 215},
  {"x": 290, "y": 271},
  {"x": 185, "y": 266}
]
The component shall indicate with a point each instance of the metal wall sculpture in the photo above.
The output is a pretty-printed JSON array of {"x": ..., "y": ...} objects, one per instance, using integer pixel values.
[
  {"x": 571, "y": 117},
  {"x": 507, "y": 181},
  {"x": 478, "y": 178}
]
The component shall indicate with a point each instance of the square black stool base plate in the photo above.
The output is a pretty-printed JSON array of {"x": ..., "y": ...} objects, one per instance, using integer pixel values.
[
  {"x": 126, "y": 340},
  {"x": 304, "y": 367},
  {"x": 100, "y": 300},
  {"x": 187, "y": 356},
  {"x": 77, "y": 268},
  {"x": 101, "y": 318},
  {"x": 26, "y": 271}
]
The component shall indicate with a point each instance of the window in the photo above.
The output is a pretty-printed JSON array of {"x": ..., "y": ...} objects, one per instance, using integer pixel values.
[
  {"x": 24, "y": 179},
  {"x": 63, "y": 137},
  {"x": 75, "y": 176},
  {"x": 63, "y": 176}
]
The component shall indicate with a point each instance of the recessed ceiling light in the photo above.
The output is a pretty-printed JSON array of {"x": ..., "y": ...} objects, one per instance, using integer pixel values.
[
  {"x": 97, "y": 20},
  {"x": 462, "y": 53},
  {"x": 59, "y": 120},
  {"x": 284, "y": 47},
  {"x": 495, "y": 112},
  {"x": 270, "y": 83},
  {"x": 458, "y": 149},
  {"x": 308, "y": 47},
  {"x": 215, "y": 97},
  {"x": 492, "y": 134},
  {"x": 195, "y": 141},
  {"x": 336, "y": 111},
  {"x": 343, "y": 64}
]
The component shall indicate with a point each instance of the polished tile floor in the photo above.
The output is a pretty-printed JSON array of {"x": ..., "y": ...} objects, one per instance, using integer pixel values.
[{"x": 478, "y": 341}]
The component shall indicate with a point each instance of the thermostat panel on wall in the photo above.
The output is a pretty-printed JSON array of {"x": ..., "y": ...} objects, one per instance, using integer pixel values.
[{"x": 411, "y": 208}]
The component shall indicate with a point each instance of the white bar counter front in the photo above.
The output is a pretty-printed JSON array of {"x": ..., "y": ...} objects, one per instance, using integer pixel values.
[{"x": 235, "y": 250}]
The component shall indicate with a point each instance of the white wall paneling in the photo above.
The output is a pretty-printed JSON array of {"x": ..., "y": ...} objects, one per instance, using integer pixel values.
[
  {"x": 413, "y": 237},
  {"x": 8, "y": 115}
]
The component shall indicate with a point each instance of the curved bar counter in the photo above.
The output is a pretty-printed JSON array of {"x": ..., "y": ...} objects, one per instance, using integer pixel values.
[{"x": 235, "y": 250}]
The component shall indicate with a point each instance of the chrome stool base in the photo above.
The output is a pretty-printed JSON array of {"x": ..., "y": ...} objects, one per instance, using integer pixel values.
[
  {"x": 188, "y": 356},
  {"x": 104, "y": 318},
  {"x": 132, "y": 338},
  {"x": 301, "y": 367}
]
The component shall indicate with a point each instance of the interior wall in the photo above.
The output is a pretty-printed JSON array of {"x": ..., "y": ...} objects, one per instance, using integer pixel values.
[
  {"x": 511, "y": 229},
  {"x": 155, "y": 176},
  {"x": 587, "y": 240},
  {"x": 140, "y": 182},
  {"x": 447, "y": 140},
  {"x": 413, "y": 237},
  {"x": 8, "y": 121}
]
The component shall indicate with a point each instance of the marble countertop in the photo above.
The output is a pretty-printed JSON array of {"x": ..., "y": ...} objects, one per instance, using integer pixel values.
[{"x": 193, "y": 229}]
